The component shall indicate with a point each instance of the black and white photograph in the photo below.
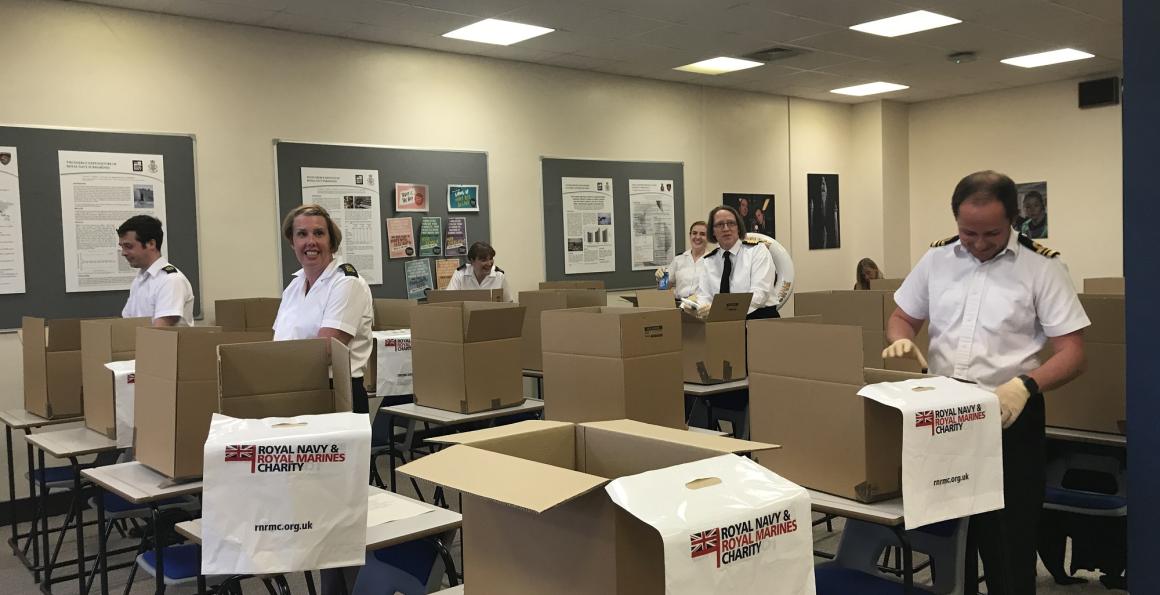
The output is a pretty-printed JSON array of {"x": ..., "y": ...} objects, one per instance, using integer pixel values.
[
  {"x": 757, "y": 211},
  {"x": 142, "y": 196},
  {"x": 1032, "y": 219},
  {"x": 825, "y": 216}
]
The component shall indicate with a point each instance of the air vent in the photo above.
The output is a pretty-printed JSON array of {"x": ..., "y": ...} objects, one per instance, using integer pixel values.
[{"x": 774, "y": 54}]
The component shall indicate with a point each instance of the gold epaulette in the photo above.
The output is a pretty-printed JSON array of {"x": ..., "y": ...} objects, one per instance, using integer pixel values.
[
  {"x": 1036, "y": 247},
  {"x": 945, "y": 242}
]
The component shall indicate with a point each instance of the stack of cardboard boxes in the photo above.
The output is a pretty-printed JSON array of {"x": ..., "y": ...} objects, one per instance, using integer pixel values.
[{"x": 535, "y": 303}]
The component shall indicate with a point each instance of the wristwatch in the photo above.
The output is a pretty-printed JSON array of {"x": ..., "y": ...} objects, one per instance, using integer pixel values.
[{"x": 1030, "y": 384}]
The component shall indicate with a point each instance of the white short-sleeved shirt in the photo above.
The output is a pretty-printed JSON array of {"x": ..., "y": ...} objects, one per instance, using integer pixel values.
[
  {"x": 753, "y": 272},
  {"x": 159, "y": 291},
  {"x": 339, "y": 300},
  {"x": 464, "y": 278},
  {"x": 685, "y": 274},
  {"x": 989, "y": 320}
]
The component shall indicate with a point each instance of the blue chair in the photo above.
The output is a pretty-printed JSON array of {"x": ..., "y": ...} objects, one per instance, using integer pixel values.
[
  {"x": 1086, "y": 499},
  {"x": 403, "y": 568},
  {"x": 855, "y": 567}
]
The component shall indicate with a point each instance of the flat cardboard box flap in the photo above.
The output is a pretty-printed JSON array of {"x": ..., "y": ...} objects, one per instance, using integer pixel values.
[
  {"x": 1104, "y": 285},
  {"x": 57, "y": 334},
  {"x": 654, "y": 298},
  {"x": 611, "y": 332},
  {"x": 247, "y": 313},
  {"x": 571, "y": 284},
  {"x": 720, "y": 444},
  {"x": 393, "y": 314},
  {"x": 436, "y": 296},
  {"x": 726, "y": 307},
  {"x": 514, "y": 481},
  {"x": 504, "y": 431},
  {"x": 806, "y": 350}
]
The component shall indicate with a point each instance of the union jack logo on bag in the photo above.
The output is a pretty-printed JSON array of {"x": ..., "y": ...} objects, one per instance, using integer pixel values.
[
  {"x": 924, "y": 419},
  {"x": 242, "y": 454},
  {"x": 705, "y": 543}
]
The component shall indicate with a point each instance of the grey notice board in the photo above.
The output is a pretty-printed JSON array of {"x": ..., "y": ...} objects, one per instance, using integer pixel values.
[
  {"x": 44, "y": 278},
  {"x": 552, "y": 173},
  {"x": 434, "y": 168}
]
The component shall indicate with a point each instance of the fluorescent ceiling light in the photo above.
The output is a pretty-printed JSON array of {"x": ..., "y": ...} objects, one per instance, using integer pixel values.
[
  {"x": 905, "y": 24},
  {"x": 718, "y": 65},
  {"x": 869, "y": 89},
  {"x": 497, "y": 32},
  {"x": 1046, "y": 58}
]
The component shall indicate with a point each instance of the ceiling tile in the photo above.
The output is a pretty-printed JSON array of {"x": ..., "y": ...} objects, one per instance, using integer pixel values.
[
  {"x": 480, "y": 8},
  {"x": 588, "y": 20},
  {"x": 232, "y": 13},
  {"x": 305, "y": 24},
  {"x": 840, "y": 13}
]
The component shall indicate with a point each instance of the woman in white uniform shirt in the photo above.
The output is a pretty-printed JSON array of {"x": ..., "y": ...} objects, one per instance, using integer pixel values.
[
  {"x": 480, "y": 271},
  {"x": 685, "y": 271},
  {"x": 326, "y": 298}
]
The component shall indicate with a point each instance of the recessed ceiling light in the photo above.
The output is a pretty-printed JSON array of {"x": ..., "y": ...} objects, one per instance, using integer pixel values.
[
  {"x": 1046, "y": 58},
  {"x": 497, "y": 32},
  {"x": 869, "y": 89},
  {"x": 905, "y": 24},
  {"x": 718, "y": 65}
]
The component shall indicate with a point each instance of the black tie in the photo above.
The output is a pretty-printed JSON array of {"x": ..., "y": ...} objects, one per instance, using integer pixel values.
[{"x": 725, "y": 273}]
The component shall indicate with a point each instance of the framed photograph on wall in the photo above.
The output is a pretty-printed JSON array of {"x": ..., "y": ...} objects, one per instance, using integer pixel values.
[
  {"x": 462, "y": 197},
  {"x": 757, "y": 211},
  {"x": 411, "y": 198},
  {"x": 825, "y": 216},
  {"x": 1032, "y": 219}
]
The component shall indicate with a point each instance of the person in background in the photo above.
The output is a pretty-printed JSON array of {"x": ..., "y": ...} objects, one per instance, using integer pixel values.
[
  {"x": 159, "y": 291},
  {"x": 1035, "y": 225},
  {"x": 326, "y": 298},
  {"x": 685, "y": 271},
  {"x": 994, "y": 300},
  {"x": 480, "y": 271},
  {"x": 736, "y": 265},
  {"x": 867, "y": 269}
]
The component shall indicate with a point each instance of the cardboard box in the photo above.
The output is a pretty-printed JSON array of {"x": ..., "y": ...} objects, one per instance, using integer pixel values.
[
  {"x": 651, "y": 298},
  {"x": 869, "y": 310},
  {"x": 102, "y": 341},
  {"x": 247, "y": 314},
  {"x": 466, "y": 355},
  {"x": 542, "y": 481},
  {"x": 713, "y": 348},
  {"x": 436, "y": 296},
  {"x": 283, "y": 378},
  {"x": 886, "y": 284},
  {"x": 605, "y": 363},
  {"x": 389, "y": 315},
  {"x": 536, "y": 302},
  {"x": 1097, "y": 400},
  {"x": 803, "y": 385},
  {"x": 52, "y": 367},
  {"x": 571, "y": 284},
  {"x": 922, "y": 340},
  {"x": 1104, "y": 285},
  {"x": 177, "y": 383}
]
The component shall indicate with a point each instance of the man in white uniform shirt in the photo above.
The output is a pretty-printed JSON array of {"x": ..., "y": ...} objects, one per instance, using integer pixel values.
[
  {"x": 737, "y": 266},
  {"x": 994, "y": 299},
  {"x": 159, "y": 291},
  {"x": 480, "y": 271}
]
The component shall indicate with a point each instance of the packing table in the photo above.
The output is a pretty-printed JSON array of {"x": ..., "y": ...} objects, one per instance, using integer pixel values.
[
  {"x": 887, "y": 514},
  {"x": 703, "y": 393},
  {"x": 1087, "y": 437}
]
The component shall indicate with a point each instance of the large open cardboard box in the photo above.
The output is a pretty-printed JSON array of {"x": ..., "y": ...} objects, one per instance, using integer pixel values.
[
  {"x": 541, "y": 481},
  {"x": 537, "y": 302},
  {"x": 389, "y": 315},
  {"x": 651, "y": 298},
  {"x": 255, "y": 315},
  {"x": 176, "y": 394},
  {"x": 803, "y": 385},
  {"x": 1104, "y": 285},
  {"x": 714, "y": 347},
  {"x": 571, "y": 284},
  {"x": 52, "y": 367},
  {"x": 605, "y": 363},
  {"x": 466, "y": 355},
  {"x": 436, "y": 296},
  {"x": 283, "y": 378},
  {"x": 1097, "y": 400},
  {"x": 105, "y": 340},
  {"x": 869, "y": 310}
]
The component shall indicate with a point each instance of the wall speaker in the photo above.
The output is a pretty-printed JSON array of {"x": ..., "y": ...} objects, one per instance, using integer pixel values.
[{"x": 1099, "y": 92}]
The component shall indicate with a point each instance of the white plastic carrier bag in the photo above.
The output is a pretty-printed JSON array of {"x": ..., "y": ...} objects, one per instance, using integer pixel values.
[
  {"x": 952, "y": 447},
  {"x": 728, "y": 525},
  {"x": 124, "y": 388},
  {"x": 394, "y": 376},
  {"x": 285, "y": 494}
]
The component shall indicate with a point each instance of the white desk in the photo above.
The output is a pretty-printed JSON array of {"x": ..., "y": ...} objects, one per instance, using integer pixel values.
[
  {"x": 705, "y": 390},
  {"x": 703, "y": 393},
  {"x": 452, "y": 591},
  {"x": 19, "y": 419},
  {"x": 74, "y": 442},
  {"x": 887, "y": 513},
  {"x": 539, "y": 376},
  {"x": 1099, "y": 438}
]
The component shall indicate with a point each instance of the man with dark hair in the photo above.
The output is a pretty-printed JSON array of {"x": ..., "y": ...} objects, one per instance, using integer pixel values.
[
  {"x": 1035, "y": 209},
  {"x": 480, "y": 271},
  {"x": 737, "y": 265},
  {"x": 159, "y": 290},
  {"x": 994, "y": 300}
]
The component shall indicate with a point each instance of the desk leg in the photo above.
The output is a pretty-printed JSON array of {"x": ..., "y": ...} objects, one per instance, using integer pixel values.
[
  {"x": 38, "y": 471},
  {"x": 13, "y": 525},
  {"x": 540, "y": 387},
  {"x": 907, "y": 560},
  {"x": 79, "y": 511},
  {"x": 200, "y": 584},
  {"x": 310, "y": 583},
  {"x": 102, "y": 546},
  {"x": 158, "y": 549},
  {"x": 283, "y": 586},
  {"x": 391, "y": 449},
  {"x": 971, "y": 576},
  {"x": 38, "y": 511},
  {"x": 442, "y": 543}
]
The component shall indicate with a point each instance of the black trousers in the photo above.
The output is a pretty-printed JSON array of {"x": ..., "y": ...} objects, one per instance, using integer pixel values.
[
  {"x": 1007, "y": 538},
  {"x": 358, "y": 395},
  {"x": 766, "y": 312}
]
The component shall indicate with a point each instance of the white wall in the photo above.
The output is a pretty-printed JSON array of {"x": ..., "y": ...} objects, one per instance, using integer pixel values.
[{"x": 1030, "y": 133}]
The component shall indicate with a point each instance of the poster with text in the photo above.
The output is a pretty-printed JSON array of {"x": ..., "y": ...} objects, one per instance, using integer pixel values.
[
  {"x": 431, "y": 236},
  {"x": 401, "y": 237},
  {"x": 825, "y": 216},
  {"x": 445, "y": 270},
  {"x": 351, "y": 196},
  {"x": 411, "y": 197},
  {"x": 455, "y": 244},
  {"x": 651, "y": 212},
  {"x": 418, "y": 278},
  {"x": 11, "y": 235},
  {"x": 462, "y": 197},
  {"x": 1032, "y": 219},
  {"x": 589, "y": 237},
  {"x": 98, "y": 192},
  {"x": 757, "y": 211}
]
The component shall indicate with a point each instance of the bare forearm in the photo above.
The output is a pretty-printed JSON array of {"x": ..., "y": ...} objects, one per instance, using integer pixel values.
[
  {"x": 899, "y": 326},
  {"x": 1060, "y": 368}
]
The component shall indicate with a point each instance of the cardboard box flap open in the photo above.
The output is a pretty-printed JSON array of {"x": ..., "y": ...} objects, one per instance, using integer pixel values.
[
  {"x": 609, "y": 331},
  {"x": 654, "y": 298},
  {"x": 1104, "y": 285},
  {"x": 486, "y": 321},
  {"x": 672, "y": 435},
  {"x": 63, "y": 334},
  {"x": 509, "y": 480},
  {"x": 549, "y": 442},
  {"x": 393, "y": 314},
  {"x": 33, "y": 335},
  {"x": 273, "y": 367},
  {"x": 523, "y": 427},
  {"x": 810, "y": 351},
  {"x": 726, "y": 307}
]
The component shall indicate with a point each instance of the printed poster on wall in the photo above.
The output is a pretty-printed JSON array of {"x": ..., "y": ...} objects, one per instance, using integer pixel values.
[
  {"x": 651, "y": 211},
  {"x": 418, "y": 278},
  {"x": 351, "y": 196},
  {"x": 98, "y": 192},
  {"x": 411, "y": 197},
  {"x": 589, "y": 236},
  {"x": 756, "y": 210},
  {"x": 455, "y": 243},
  {"x": 462, "y": 197},
  {"x": 1032, "y": 219},
  {"x": 400, "y": 237},
  {"x": 445, "y": 270},
  {"x": 11, "y": 235},
  {"x": 431, "y": 236},
  {"x": 825, "y": 216}
]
